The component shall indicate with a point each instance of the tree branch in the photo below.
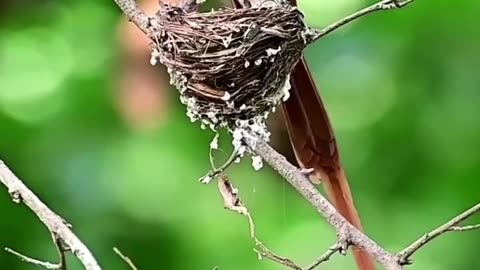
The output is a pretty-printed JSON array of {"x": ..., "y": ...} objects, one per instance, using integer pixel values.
[
  {"x": 404, "y": 255},
  {"x": 46, "y": 265},
  {"x": 55, "y": 224},
  {"x": 303, "y": 185},
  {"x": 345, "y": 230},
  {"x": 382, "y": 5},
  {"x": 125, "y": 259}
]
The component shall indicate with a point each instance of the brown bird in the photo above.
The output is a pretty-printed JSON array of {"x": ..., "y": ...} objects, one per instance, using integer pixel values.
[
  {"x": 311, "y": 135},
  {"x": 315, "y": 146}
]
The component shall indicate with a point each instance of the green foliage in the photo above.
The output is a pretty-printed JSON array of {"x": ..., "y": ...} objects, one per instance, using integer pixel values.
[{"x": 401, "y": 88}]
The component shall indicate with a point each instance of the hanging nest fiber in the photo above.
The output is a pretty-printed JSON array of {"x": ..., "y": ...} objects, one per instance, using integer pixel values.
[{"x": 231, "y": 66}]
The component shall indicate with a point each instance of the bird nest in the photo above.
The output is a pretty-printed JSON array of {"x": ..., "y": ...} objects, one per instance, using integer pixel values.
[{"x": 231, "y": 66}]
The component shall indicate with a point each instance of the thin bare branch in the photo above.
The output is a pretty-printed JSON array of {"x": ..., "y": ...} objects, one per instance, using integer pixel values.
[
  {"x": 214, "y": 172},
  {"x": 232, "y": 201},
  {"x": 264, "y": 252},
  {"x": 61, "y": 250},
  {"x": 62, "y": 265},
  {"x": 56, "y": 225},
  {"x": 326, "y": 256},
  {"x": 125, "y": 258},
  {"x": 382, "y": 5},
  {"x": 44, "y": 264},
  {"x": 404, "y": 255},
  {"x": 464, "y": 228}
]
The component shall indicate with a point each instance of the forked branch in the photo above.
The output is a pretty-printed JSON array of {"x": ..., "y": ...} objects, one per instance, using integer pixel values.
[
  {"x": 451, "y": 226},
  {"x": 61, "y": 231}
]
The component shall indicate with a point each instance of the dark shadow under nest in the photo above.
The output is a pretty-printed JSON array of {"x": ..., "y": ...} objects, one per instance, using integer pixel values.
[{"x": 230, "y": 65}]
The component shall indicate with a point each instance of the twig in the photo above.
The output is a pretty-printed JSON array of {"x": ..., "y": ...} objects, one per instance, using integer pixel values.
[
  {"x": 125, "y": 258},
  {"x": 464, "y": 228},
  {"x": 46, "y": 265},
  {"x": 264, "y": 252},
  {"x": 61, "y": 250},
  {"x": 326, "y": 256},
  {"x": 404, "y": 255},
  {"x": 382, "y": 5},
  {"x": 62, "y": 265},
  {"x": 232, "y": 201},
  {"x": 55, "y": 224},
  {"x": 214, "y": 172}
]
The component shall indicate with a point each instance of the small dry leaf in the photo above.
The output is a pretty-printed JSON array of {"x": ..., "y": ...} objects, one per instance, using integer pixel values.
[{"x": 230, "y": 196}]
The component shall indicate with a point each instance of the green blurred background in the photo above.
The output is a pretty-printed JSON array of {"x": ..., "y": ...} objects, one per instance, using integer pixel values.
[{"x": 99, "y": 135}]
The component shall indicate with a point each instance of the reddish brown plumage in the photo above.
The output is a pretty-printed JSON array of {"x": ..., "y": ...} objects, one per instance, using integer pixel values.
[{"x": 314, "y": 144}]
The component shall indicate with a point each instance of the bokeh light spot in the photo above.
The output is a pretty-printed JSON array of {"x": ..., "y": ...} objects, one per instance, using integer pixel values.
[
  {"x": 35, "y": 63},
  {"x": 357, "y": 93}
]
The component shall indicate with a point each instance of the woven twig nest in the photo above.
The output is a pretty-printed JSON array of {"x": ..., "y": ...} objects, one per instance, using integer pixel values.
[{"x": 231, "y": 66}]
